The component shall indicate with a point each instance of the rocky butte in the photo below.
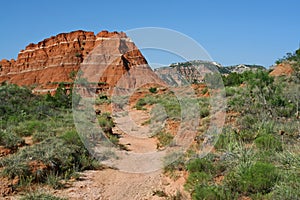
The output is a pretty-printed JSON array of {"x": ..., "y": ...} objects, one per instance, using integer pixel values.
[{"x": 110, "y": 55}]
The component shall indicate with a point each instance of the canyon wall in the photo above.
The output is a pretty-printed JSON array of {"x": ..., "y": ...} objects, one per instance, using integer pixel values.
[{"x": 45, "y": 64}]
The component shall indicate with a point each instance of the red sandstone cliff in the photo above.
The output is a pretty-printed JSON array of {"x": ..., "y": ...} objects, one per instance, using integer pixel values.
[{"x": 51, "y": 61}]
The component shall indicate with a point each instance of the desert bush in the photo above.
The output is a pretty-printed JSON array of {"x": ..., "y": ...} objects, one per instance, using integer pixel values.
[
  {"x": 102, "y": 99},
  {"x": 233, "y": 79},
  {"x": 54, "y": 155},
  {"x": 201, "y": 165},
  {"x": 204, "y": 112},
  {"x": 39, "y": 196},
  {"x": 105, "y": 122},
  {"x": 197, "y": 178},
  {"x": 212, "y": 192},
  {"x": 258, "y": 178},
  {"x": 54, "y": 180},
  {"x": 268, "y": 142},
  {"x": 10, "y": 140},
  {"x": 140, "y": 103},
  {"x": 164, "y": 138},
  {"x": 27, "y": 128},
  {"x": 159, "y": 193},
  {"x": 227, "y": 140},
  {"x": 40, "y": 136},
  {"x": 287, "y": 188},
  {"x": 153, "y": 89},
  {"x": 230, "y": 91}
]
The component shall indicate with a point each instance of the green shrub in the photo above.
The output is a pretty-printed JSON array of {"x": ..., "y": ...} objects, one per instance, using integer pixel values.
[
  {"x": 164, "y": 138},
  {"x": 268, "y": 142},
  {"x": 227, "y": 140},
  {"x": 201, "y": 165},
  {"x": 55, "y": 154},
  {"x": 204, "y": 112},
  {"x": 197, "y": 178},
  {"x": 10, "y": 140},
  {"x": 140, "y": 103},
  {"x": 28, "y": 128},
  {"x": 230, "y": 91},
  {"x": 15, "y": 168},
  {"x": 212, "y": 193},
  {"x": 258, "y": 178},
  {"x": 54, "y": 180},
  {"x": 287, "y": 188},
  {"x": 40, "y": 196},
  {"x": 204, "y": 91},
  {"x": 159, "y": 193},
  {"x": 106, "y": 122},
  {"x": 102, "y": 99},
  {"x": 153, "y": 89},
  {"x": 72, "y": 137},
  {"x": 247, "y": 135},
  {"x": 40, "y": 136}
]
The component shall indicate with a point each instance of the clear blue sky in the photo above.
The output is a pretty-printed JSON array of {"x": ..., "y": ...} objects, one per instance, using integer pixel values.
[{"x": 233, "y": 32}]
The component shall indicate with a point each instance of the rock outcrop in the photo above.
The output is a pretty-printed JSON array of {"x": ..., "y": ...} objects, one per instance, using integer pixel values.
[
  {"x": 282, "y": 69},
  {"x": 243, "y": 68},
  {"x": 52, "y": 60},
  {"x": 184, "y": 73}
]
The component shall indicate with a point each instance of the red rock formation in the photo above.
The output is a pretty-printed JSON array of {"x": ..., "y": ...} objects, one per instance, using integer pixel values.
[
  {"x": 51, "y": 61},
  {"x": 282, "y": 69}
]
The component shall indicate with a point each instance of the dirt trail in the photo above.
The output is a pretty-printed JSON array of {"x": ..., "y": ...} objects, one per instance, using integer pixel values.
[
  {"x": 112, "y": 184},
  {"x": 134, "y": 134}
]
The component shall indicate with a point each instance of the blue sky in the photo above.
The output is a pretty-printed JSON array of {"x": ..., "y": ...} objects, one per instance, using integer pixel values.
[{"x": 232, "y": 32}]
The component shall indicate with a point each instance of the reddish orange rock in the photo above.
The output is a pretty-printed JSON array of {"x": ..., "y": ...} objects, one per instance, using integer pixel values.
[
  {"x": 282, "y": 69},
  {"x": 45, "y": 64}
]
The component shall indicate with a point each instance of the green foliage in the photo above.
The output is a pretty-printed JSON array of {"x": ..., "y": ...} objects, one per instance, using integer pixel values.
[
  {"x": 258, "y": 178},
  {"x": 140, "y": 103},
  {"x": 54, "y": 180},
  {"x": 106, "y": 122},
  {"x": 164, "y": 138},
  {"x": 212, "y": 193},
  {"x": 58, "y": 155},
  {"x": 168, "y": 101},
  {"x": 197, "y": 178},
  {"x": 233, "y": 79},
  {"x": 204, "y": 112},
  {"x": 102, "y": 99},
  {"x": 290, "y": 57},
  {"x": 19, "y": 103},
  {"x": 39, "y": 196},
  {"x": 268, "y": 142},
  {"x": 62, "y": 98},
  {"x": 159, "y": 193},
  {"x": 201, "y": 165},
  {"x": 40, "y": 136},
  {"x": 29, "y": 127},
  {"x": 153, "y": 89},
  {"x": 10, "y": 140},
  {"x": 227, "y": 140}
]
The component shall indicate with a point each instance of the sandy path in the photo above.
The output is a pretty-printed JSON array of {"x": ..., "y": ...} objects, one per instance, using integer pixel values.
[{"x": 111, "y": 184}]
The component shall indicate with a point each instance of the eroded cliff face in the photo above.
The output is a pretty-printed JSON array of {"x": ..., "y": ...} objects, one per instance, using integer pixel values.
[{"x": 51, "y": 61}]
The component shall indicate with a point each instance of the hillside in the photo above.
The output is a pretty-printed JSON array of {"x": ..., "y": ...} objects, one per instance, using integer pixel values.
[{"x": 194, "y": 71}]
